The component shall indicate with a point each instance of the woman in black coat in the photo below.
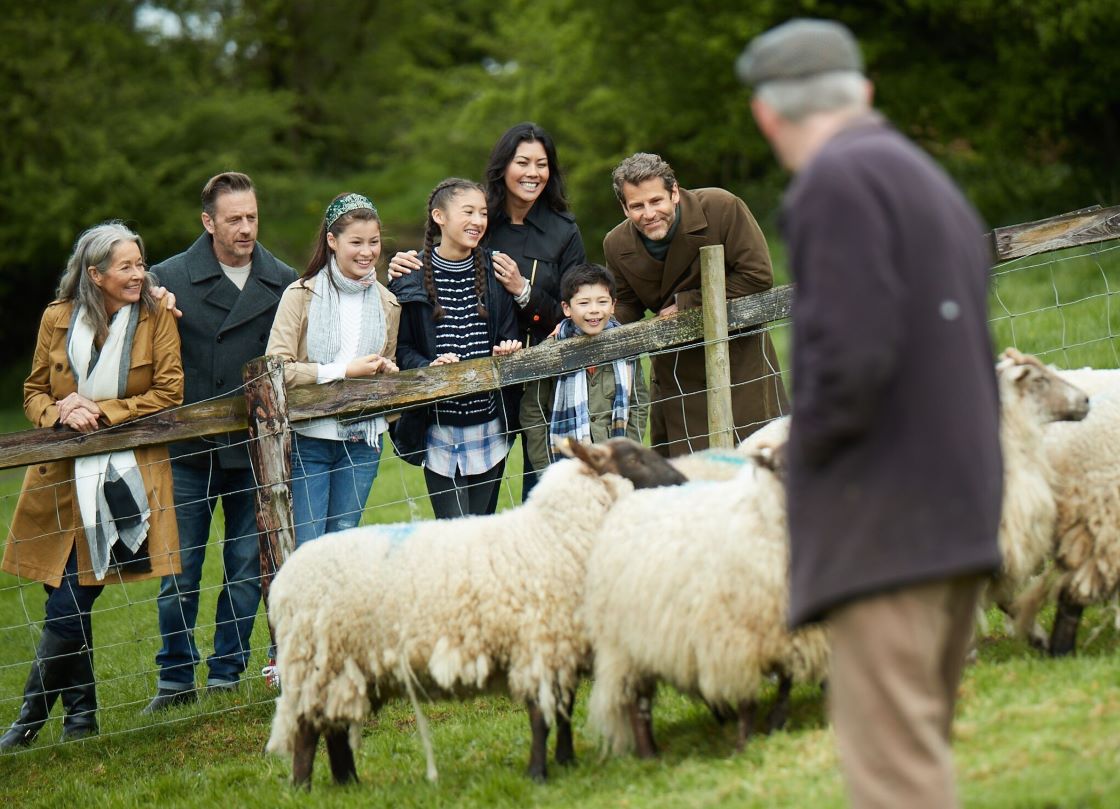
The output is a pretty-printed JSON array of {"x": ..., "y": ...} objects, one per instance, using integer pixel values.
[{"x": 530, "y": 230}]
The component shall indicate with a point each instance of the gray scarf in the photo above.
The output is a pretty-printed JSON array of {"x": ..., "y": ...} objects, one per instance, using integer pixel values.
[{"x": 324, "y": 331}]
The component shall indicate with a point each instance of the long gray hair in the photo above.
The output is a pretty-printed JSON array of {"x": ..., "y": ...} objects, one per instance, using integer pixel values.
[{"x": 94, "y": 248}]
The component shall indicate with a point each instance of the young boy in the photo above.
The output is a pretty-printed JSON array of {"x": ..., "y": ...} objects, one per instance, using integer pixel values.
[{"x": 593, "y": 404}]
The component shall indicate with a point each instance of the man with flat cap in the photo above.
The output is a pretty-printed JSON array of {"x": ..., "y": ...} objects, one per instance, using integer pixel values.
[{"x": 894, "y": 466}]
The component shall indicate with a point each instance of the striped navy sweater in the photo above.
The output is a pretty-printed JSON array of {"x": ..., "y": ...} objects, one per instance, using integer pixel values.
[{"x": 460, "y": 331}]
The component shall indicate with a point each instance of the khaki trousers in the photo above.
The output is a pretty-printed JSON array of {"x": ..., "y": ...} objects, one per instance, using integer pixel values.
[{"x": 896, "y": 664}]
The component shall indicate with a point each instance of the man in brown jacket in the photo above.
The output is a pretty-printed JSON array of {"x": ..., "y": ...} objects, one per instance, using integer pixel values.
[
  {"x": 894, "y": 466},
  {"x": 655, "y": 258}
]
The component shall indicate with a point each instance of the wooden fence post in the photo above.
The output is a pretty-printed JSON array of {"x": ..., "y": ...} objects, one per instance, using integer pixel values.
[
  {"x": 717, "y": 367},
  {"x": 270, "y": 449}
]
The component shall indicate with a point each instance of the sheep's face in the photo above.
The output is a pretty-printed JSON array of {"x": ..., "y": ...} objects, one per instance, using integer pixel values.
[
  {"x": 1053, "y": 398},
  {"x": 640, "y": 465}
]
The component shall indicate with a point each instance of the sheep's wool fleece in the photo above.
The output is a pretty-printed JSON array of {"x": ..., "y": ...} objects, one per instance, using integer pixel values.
[
  {"x": 454, "y": 603},
  {"x": 1087, "y": 489},
  {"x": 689, "y": 584}
]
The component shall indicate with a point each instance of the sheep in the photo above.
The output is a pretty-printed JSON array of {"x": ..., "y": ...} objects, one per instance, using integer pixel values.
[
  {"x": 692, "y": 588},
  {"x": 724, "y": 464},
  {"x": 689, "y": 585},
  {"x": 1032, "y": 396},
  {"x": 1087, "y": 492},
  {"x": 450, "y": 606}
]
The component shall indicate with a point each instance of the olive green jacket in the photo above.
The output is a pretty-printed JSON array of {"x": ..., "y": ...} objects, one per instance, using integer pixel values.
[{"x": 536, "y": 410}]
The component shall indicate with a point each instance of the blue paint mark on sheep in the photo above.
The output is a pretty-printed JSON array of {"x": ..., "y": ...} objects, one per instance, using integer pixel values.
[
  {"x": 725, "y": 456},
  {"x": 396, "y": 533}
]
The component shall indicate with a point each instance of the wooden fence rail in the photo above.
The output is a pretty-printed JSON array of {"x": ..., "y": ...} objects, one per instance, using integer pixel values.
[
  {"x": 392, "y": 392},
  {"x": 398, "y": 391}
]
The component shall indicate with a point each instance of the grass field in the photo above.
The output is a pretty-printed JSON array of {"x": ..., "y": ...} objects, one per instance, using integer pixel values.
[{"x": 1032, "y": 732}]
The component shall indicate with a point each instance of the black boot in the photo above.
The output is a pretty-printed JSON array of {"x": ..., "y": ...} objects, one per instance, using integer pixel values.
[
  {"x": 49, "y": 673},
  {"x": 80, "y": 698}
]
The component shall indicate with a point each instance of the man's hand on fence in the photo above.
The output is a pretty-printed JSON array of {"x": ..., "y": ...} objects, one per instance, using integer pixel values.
[{"x": 444, "y": 359}]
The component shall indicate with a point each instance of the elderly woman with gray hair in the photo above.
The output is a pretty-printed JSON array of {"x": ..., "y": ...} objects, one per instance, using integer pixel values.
[{"x": 106, "y": 354}]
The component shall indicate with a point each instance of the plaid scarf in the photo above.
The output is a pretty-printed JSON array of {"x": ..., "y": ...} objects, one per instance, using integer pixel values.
[{"x": 571, "y": 417}]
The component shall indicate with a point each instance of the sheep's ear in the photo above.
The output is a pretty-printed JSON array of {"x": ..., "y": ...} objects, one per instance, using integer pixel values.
[
  {"x": 597, "y": 457},
  {"x": 772, "y": 457},
  {"x": 1018, "y": 371},
  {"x": 1012, "y": 353}
]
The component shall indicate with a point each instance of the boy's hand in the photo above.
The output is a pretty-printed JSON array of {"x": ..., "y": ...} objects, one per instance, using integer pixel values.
[
  {"x": 444, "y": 359},
  {"x": 507, "y": 347},
  {"x": 403, "y": 263}
]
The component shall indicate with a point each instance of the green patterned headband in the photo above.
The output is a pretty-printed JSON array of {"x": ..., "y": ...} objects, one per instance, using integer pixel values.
[{"x": 344, "y": 205}]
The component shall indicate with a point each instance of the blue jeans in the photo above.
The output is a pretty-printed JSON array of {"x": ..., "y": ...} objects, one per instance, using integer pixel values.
[
  {"x": 330, "y": 484},
  {"x": 197, "y": 490}
]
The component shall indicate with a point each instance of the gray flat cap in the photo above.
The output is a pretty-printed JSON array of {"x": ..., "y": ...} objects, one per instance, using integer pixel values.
[{"x": 798, "y": 49}]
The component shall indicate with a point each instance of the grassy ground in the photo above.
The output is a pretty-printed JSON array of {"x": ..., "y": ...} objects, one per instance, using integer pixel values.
[{"x": 1032, "y": 732}]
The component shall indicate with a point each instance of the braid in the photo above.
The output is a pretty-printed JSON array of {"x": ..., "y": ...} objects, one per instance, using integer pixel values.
[
  {"x": 429, "y": 276},
  {"x": 480, "y": 281},
  {"x": 439, "y": 198}
]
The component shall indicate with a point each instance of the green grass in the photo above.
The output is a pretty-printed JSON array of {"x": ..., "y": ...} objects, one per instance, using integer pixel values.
[{"x": 1032, "y": 732}]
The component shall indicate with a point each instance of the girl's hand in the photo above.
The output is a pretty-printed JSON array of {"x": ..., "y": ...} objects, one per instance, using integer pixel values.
[
  {"x": 507, "y": 347},
  {"x": 505, "y": 270},
  {"x": 368, "y": 365},
  {"x": 445, "y": 359},
  {"x": 76, "y": 401},
  {"x": 403, "y": 263}
]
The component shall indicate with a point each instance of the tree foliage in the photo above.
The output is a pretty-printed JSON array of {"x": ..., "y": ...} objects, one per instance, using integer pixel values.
[{"x": 122, "y": 109}]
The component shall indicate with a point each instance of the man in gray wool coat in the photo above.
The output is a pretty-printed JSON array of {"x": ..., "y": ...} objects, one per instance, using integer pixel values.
[
  {"x": 228, "y": 287},
  {"x": 894, "y": 465}
]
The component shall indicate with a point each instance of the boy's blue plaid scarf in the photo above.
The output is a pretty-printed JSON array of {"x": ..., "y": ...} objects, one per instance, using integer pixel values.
[{"x": 570, "y": 415}]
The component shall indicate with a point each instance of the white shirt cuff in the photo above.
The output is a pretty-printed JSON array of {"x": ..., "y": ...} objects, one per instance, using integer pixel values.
[{"x": 330, "y": 371}]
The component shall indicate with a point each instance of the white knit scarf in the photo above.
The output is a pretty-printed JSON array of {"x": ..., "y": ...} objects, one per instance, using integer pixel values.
[
  {"x": 324, "y": 333},
  {"x": 106, "y": 380}
]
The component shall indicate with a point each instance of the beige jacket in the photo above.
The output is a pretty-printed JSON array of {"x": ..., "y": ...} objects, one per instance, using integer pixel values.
[{"x": 288, "y": 338}]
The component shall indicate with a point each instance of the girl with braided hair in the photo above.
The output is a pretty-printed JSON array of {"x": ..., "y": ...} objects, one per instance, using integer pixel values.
[
  {"x": 335, "y": 322},
  {"x": 456, "y": 308},
  {"x": 533, "y": 235}
]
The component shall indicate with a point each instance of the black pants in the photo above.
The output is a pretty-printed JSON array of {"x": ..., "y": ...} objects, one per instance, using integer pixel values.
[
  {"x": 69, "y": 604},
  {"x": 464, "y": 494}
]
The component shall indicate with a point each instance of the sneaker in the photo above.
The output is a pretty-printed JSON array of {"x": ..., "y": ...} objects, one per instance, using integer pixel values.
[
  {"x": 166, "y": 698},
  {"x": 271, "y": 674},
  {"x": 221, "y": 687}
]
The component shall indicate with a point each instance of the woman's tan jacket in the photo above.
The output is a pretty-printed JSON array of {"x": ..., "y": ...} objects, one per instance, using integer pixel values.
[{"x": 47, "y": 523}]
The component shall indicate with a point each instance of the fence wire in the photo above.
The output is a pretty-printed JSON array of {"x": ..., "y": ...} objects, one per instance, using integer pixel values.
[{"x": 1060, "y": 306}]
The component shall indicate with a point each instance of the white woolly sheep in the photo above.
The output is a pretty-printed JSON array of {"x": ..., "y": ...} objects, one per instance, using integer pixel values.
[
  {"x": 1087, "y": 491},
  {"x": 1032, "y": 396},
  {"x": 724, "y": 464},
  {"x": 690, "y": 585},
  {"x": 454, "y": 606}
]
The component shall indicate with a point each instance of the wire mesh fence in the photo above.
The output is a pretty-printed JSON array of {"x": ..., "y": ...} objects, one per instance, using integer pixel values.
[{"x": 1061, "y": 306}]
